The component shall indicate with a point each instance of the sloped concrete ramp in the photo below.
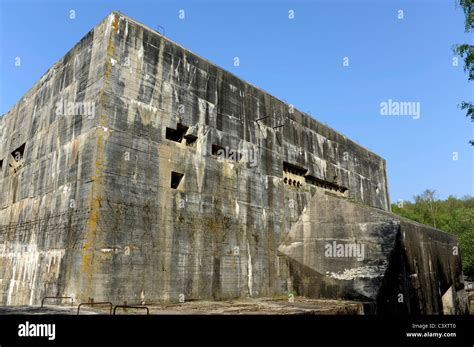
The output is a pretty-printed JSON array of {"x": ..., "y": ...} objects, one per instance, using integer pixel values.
[{"x": 341, "y": 249}]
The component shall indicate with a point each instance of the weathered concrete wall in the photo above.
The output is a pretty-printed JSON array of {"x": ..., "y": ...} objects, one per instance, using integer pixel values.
[
  {"x": 403, "y": 266},
  {"x": 137, "y": 233},
  {"x": 425, "y": 266},
  {"x": 45, "y": 188},
  {"x": 217, "y": 235}
]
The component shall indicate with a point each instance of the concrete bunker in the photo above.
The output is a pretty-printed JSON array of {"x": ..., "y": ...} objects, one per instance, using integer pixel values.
[{"x": 280, "y": 250}]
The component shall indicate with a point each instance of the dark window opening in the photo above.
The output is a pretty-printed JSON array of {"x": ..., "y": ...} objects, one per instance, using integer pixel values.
[
  {"x": 218, "y": 150},
  {"x": 190, "y": 140},
  {"x": 176, "y": 178},
  {"x": 176, "y": 134},
  {"x": 1, "y": 164},
  {"x": 324, "y": 184},
  {"x": 294, "y": 169},
  {"x": 18, "y": 153}
]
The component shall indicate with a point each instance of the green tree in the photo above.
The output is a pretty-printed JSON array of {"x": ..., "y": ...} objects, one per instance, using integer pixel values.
[
  {"x": 453, "y": 215},
  {"x": 466, "y": 52},
  {"x": 428, "y": 206}
]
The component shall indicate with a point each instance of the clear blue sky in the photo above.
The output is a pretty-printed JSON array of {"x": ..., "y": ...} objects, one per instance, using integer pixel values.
[{"x": 300, "y": 61}]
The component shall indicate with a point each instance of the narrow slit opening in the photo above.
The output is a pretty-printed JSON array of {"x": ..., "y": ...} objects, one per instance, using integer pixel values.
[
  {"x": 18, "y": 153},
  {"x": 176, "y": 178}
]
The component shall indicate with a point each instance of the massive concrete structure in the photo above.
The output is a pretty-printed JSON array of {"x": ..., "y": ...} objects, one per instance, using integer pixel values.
[{"x": 135, "y": 170}]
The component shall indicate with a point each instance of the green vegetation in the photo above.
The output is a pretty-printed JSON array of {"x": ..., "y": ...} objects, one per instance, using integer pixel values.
[
  {"x": 453, "y": 215},
  {"x": 466, "y": 52}
]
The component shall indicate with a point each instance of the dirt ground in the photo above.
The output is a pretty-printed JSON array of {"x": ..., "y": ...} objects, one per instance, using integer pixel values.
[{"x": 249, "y": 306}]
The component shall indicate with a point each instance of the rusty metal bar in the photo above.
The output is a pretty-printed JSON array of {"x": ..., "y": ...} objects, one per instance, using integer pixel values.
[
  {"x": 95, "y": 303},
  {"x": 136, "y": 307},
  {"x": 259, "y": 119},
  {"x": 57, "y": 297}
]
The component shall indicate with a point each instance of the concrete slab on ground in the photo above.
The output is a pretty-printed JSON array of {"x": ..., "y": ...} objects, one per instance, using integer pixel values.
[{"x": 240, "y": 307}]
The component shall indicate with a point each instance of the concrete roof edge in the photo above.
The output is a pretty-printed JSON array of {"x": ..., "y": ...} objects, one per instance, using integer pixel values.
[
  {"x": 57, "y": 62},
  {"x": 118, "y": 13},
  {"x": 241, "y": 79}
]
